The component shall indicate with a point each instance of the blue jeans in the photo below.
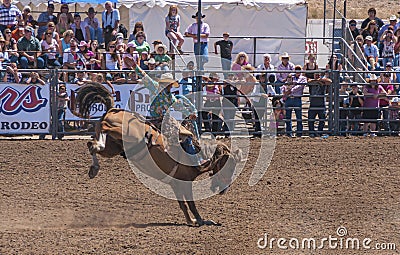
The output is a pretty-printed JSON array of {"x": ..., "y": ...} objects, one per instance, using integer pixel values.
[
  {"x": 226, "y": 65},
  {"x": 203, "y": 54},
  {"x": 396, "y": 60},
  {"x": 386, "y": 60},
  {"x": 312, "y": 114},
  {"x": 25, "y": 63},
  {"x": 50, "y": 62},
  {"x": 289, "y": 103},
  {"x": 96, "y": 34}
]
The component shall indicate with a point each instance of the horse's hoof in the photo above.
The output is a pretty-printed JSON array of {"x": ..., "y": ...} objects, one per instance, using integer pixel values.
[
  {"x": 94, "y": 170},
  {"x": 211, "y": 223}
]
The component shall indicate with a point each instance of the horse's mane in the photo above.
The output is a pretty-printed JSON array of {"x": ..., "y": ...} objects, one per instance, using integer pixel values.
[{"x": 91, "y": 93}]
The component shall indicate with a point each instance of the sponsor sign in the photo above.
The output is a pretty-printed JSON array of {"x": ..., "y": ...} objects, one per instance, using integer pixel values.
[{"x": 24, "y": 109}]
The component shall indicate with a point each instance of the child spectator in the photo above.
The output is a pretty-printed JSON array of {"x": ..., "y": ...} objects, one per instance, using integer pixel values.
[
  {"x": 34, "y": 78},
  {"x": 343, "y": 111},
  {"x": 356, "y": 100},
  {"x": 12, "y": 74},
  {"x": 79, "y": 29},
  {"x": 161, "y": 58},
  {"x": 80, "y": 78},
  {"x": 279, "y": 115},
  {"x": 19, "y": 31},
  {"x": 285, "y": 65},
  {"x": 96, "y": 60},
  {"x": 143, "y": 60},
  {"x": 394, "y": 116},
  {"x": 226, "y": 47},
  {"x": 172, "y": 27},
  {"x": 62, "y": 104}
]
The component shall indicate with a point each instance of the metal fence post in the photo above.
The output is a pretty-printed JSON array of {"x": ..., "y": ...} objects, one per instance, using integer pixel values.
[
  {"x": 53, "y": 89},
  {"x": 336, "y": 116}
]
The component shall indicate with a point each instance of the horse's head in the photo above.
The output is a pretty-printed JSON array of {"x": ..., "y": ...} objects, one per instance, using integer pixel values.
[{"x": 223, "y": 168}]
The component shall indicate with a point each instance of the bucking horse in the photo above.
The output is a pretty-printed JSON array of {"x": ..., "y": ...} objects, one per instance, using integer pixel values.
[{"x": 122, "y": 132}]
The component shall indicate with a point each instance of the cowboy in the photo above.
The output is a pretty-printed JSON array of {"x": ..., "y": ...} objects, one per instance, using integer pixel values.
[
  {"x": 191, "y": 31},
  {"x": 162, "y": 99}
]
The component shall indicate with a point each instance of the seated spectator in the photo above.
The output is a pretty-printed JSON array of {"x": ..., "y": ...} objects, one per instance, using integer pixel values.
[
  {"x": 98, "y": 57},
  {"x": 19, "y": 31},
  {"x": 372, "y": 31},
  {"x": 65, "y": 40},
  {"x": 11, "y": 46},
  {"x": 34, "y": 78},
  {"x": 79, "y": 29},
  {"x": 93, "y": 26},
  {"x": 44, "y": 19},
  {"x": 70, "y": 58},
  {"x": 242, "y": 59},
  {"x": 143, "y": 60},
  {"x": 63, "y": 24},
  {"x": 394, "y": 116},
  {"x": 52, "y": 27},
  {"x": 311, "y": 64},
  {"x": 64, "y": 9},
  {"x": 83, "y": 56},
  {"x": 151, "y": 64},
  {"x": 50, "y": 50},
  {"x": 113, "y": 60},
  {"x": 80, "y": 78},
  {"x": 27, "y": 17},
  {"x": 161, "y": 57},
  {"x": 155, "y": 43},
  {"x": 397, "y": 49},
  {"x": 3, "y": 55},
  {"x": 131, "y": 57},
  {"x": 356, "y": 100},
  {"x": 285, "y": 65},
  {"x": 372, "y": 92},
  {"x": 372, "y": 16},
  {"x": 12, "y": 74},
  {"x": 354, "y": 32},
  {"x": 267, "y": 66},
  {"x": 138, "y": 27},
  {"x": 388, "y": 43},
  {"x": 30, "y": 50},
  {"x": 172, "y": 27},
  {"x": 389, "y": 69},
  {"x": 141, "y": 44},
  {"x": 371, "y": 54}
]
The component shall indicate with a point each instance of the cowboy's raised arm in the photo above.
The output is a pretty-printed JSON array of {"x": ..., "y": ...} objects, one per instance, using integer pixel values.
[{"x": 148, "y": 82}]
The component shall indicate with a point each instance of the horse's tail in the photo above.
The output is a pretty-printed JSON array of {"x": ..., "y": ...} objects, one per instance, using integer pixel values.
[{"x": 91, "y": 93}]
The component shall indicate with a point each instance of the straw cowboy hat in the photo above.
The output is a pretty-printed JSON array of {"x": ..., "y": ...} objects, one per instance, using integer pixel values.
[
  {"x": 165, "y": 50},
  {"x": 373, "y": 77},
  {"x": 284, "y": 55},
  {"x": 197, "y": 14},
  {"x": 169, "y": 79},
  {"x": 151, "y": 61}
]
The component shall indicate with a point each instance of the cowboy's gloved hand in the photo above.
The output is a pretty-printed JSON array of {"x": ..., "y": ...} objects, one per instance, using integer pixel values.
[{"x": 192, "y": 116}]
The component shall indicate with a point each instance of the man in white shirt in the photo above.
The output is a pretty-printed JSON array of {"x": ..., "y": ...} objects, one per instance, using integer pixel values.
[{"x": 110, "y": 18}]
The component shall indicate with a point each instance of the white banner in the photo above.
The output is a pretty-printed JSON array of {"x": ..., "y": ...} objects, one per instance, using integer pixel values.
[
  {"x": 24, "y": 109},
  {"x": 131, "y": 97}
]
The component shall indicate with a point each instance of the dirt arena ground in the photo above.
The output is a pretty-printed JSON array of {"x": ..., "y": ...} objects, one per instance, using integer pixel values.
[{"x": 48, "y": 204}]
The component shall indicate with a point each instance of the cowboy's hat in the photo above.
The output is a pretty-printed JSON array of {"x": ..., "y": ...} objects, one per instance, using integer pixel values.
[
  {"x": 151, "y": 61},
  {"x": 161, "y": 46},
  {"x": 169, "y": 79},
  {"x": 284, "y": 55},
  {"x": 373, "y": 77},
  {"x": 197, "y": 14}
]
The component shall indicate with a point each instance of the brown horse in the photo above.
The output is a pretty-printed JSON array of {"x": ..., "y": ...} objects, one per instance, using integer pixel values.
[{"x": 129, "y": 134}]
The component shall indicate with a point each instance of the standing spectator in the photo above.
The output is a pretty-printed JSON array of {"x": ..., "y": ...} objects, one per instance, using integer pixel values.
[
  {"x": 311, "y": 65},
  {"x": 172, "y": 27},
  {"x": 372, "y": 16},
  {"x": 201, "y": 46},
  {"x": 141, "y": 44},
  {"x": 63, "y": 24},
  {"x": 317, "y": 89},
  {"x": 371, "y": 54},
  {"x": 397, "y": 48},
  {"x": 285, "y": 65},
  {"x": 229, "y": 105},
  {"x": 70, "y": 58},
  {"x": 11, "y": 46},
  {"x": 372, "y": 92},
  {"x": 138, "y": 27},
  {"x": 353, "y": 30},
  {"x": 50, "y": 49},
  {"x": 387, "y": 85},
  {"x": 44, "y": 19},
  {"x": 79, "y": 29},
  {"x": 226, "y": 47},
  {"x": 372, "y": 31},
  {"x": 388, "y": 42},
  {"x": 343, "y": 111},
  {"x": 292, "y": 92},
  {"x": 9, "y": 15},
  {"x": 27, "y": 17},
  {"x": 267, "y": 66},
  {"x": 12, "y": 74},
  {"x": 64, "y": 9},
  {"x": 212, "y": 90},
  {"x": 394, "y": 116},
  {"x": 356, "y": 100},
  {"x": 62, "y": 104},
  {"x": 30, "y": 50},
  {"x": 334, "y": 65},
  {"x": 93, "y": 26},
  {"x": 110, "y": 19}
]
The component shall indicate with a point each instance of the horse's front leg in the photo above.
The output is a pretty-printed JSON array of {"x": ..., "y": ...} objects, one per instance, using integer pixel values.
[{"x": 96, "y": 146}]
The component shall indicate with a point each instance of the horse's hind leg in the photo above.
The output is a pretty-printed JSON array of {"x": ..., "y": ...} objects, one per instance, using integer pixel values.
[
  {"x": 182, "y": 205},
  {"x": 196, "y": 214}
]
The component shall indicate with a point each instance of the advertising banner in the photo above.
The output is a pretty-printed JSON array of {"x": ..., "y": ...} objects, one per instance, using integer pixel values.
[{"x": 24, "y": 109}]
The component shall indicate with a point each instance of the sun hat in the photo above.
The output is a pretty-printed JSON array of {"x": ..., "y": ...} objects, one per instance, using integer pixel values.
[
  {"x": 158, "y": 46},
  {"x": 284, "y": 55},
  {"x": 91, "y": 10},
  {"x": 151, "y": 61},
  {"x": 168, "y": 78},
  {"x": 82, "y": 44},
  {"x": 393, "y": 17}
]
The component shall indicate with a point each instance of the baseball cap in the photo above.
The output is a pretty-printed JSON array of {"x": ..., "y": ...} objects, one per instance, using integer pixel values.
[
  {"x": 393, "y": 17},
  {"x": 368, "y": 38}
]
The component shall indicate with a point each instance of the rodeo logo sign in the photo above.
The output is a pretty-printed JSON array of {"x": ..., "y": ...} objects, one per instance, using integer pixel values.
[{"x": 24, "y": 109}]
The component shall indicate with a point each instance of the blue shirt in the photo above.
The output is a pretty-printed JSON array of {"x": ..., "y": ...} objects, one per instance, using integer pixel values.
[{"x": 371, "y": 51}]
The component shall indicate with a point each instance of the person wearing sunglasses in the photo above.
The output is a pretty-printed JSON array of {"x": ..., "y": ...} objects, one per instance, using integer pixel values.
[
  {"x": 353, "y": 29},
  {"x": 371, "y": 53}
]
